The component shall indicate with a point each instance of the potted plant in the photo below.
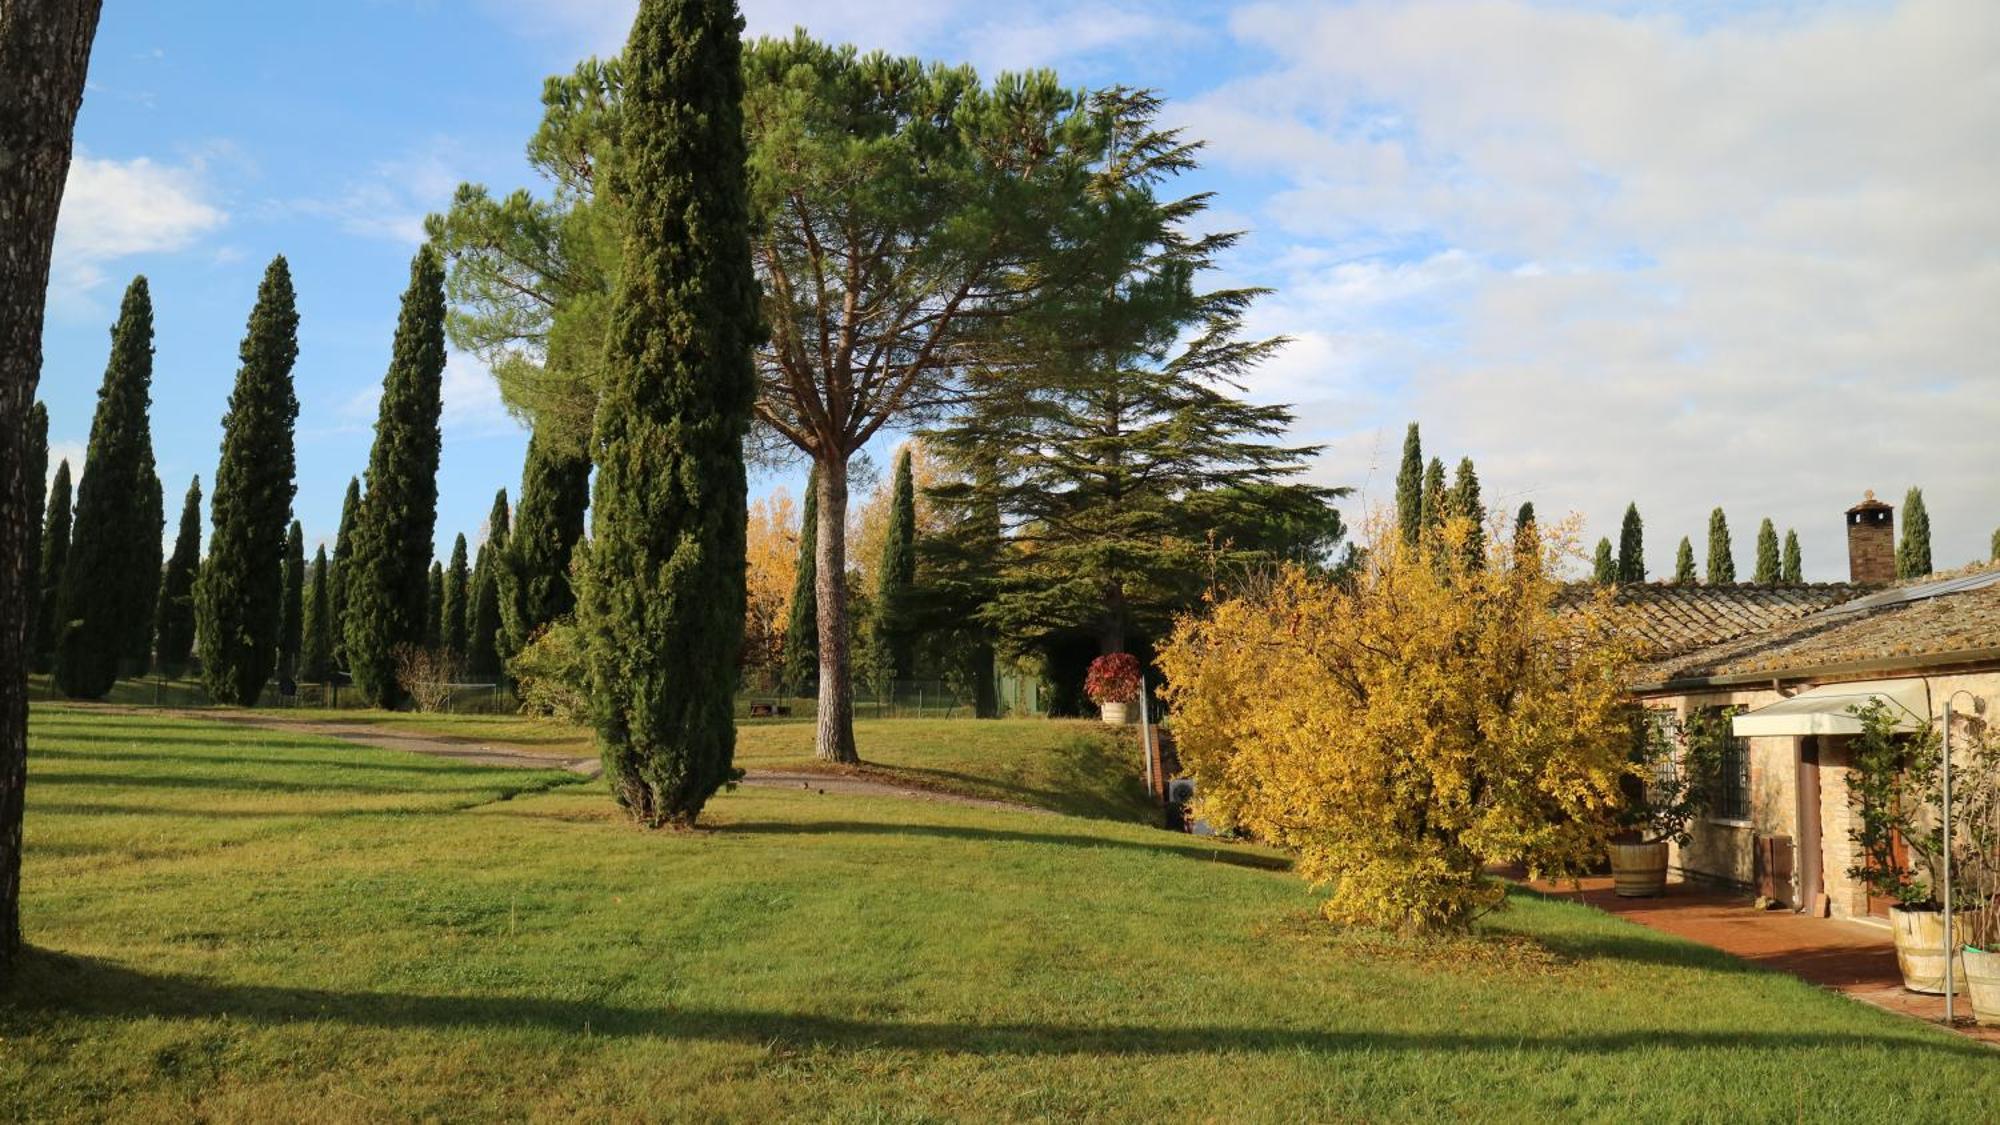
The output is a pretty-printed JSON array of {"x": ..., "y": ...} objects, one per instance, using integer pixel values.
[
  {"x": 1975, "y": 870},
  {"x": 1113, "y": 684},
  {"x": 1674, "y": 767},
  {"x": 1895, "y": 783}
]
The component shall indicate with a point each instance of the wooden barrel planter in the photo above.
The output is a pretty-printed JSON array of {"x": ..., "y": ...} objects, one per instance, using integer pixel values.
[
  {"x": 1982, "y": 983},
  {"x": 1117, "y": 714},
  {"x": 1639, "y": 870},
  {"x": 1920, "y": 951}
]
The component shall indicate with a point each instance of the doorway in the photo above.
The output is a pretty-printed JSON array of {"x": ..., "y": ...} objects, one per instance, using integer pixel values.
[{"x": 1812, "y": 853}]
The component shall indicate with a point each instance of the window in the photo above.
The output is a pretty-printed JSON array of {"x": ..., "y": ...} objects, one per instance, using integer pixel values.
[{"x": 1732, "y": 788}]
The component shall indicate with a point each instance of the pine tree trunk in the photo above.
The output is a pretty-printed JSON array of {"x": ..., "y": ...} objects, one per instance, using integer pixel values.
[
  {"x": 44, "y": 53},
  {"x": 834, "y": 741}
]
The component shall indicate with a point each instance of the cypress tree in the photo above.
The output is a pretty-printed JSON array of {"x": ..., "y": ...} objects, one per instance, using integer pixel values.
[
  {"x": 434, "y": 606},
  {"x": 1721, "y": 556},
  {"x": 55, "y": 553},
  {"x": 316, "y": 652},
  {"x": 482, "y": 628},
  {"x": 1604, "y": 567},
  {"x": 1995, "y": 558},
  {"x": 292, "y": 609},
  {"x": 1769, "y": 565},
  {"x": 457, "y": 587},
  {"x": 896, "y": 578},
  {"x": 149, "y": 561},
  {"x": 1410, "y": 488},
  {"x": 1527, "y": 537},
  {"x": 664, "y": 586},
  {"x": 343, "y": 550},
  {"x": 535, "y": 582},
  {"x": 1465, "y": 503},
  {"x": 1437, "y": 499},
  {"x": 112, "y": 574},
  {"x": 34, "y": 467},
  {"x": 242, "y": 589},
  {"x": 176, "y": 626},
  {"x": 1791, "y": 572},
  {"x": 386, "y": 585},
  {"x": 1913, "y": 554},
  {"x": 802, "y": 627},
  {"x": 1632, "y": 546},
  {"x": 1684, "y": 573}
]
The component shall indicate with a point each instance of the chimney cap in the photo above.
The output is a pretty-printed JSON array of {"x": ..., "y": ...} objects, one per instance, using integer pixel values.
[{"x": 1868, "y": 504}]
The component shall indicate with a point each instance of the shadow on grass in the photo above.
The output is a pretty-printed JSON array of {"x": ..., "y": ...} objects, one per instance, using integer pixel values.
[
  {"x": 55, "y": 985},
  {"x": 313, "y": 755},
  {"x": 1239, "y": 857}
]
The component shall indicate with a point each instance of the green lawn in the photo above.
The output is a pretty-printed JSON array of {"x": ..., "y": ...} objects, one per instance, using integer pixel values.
[{"x": 241, "y": 926}]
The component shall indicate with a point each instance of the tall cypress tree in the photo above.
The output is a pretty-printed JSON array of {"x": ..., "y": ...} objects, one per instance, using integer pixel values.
[
  {"x": 1684, "y": 573},
  {"x": 1465, "y": 503},
  {"x": 292, "y": 607},
  {"x": 113, "y": 571},
  {"x": 1769, "y": 565},
  {"x": 896, "y": 578},
  {"x": 1410, "y": 488},
  {"x": 482, "y": 624},
  {"x": 1527, "y": 537},
  {"x": 1913, "y": 554},
  {"x": 1604, "y": 566},
  {"x": 343, "y": 551},
  {"x": 176, "y": 626},
  {"x": 434, "y": 606},
  {"x": 1792, "y": 571},
  {"x": 457, "y": 587},
  {"x": 1437, "y": 498},
  {"x": 535, "y": 584},
  {"x": 1632, "y": 546},
  {"x": 1995, "y": 555},
  {"x": 55, "y": 555},
  {"x": 1721, "y": 556},
  {"x": 802, "y": 627},
  {"x": 316, "y": 652},
  {"x": 242, "y": 589},
  {"x": 387, "y": 593},
  {"x": 665, "y": 584}
]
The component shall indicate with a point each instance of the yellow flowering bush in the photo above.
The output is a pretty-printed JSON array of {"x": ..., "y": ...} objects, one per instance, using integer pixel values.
[{"x": 1405, "y": 727}]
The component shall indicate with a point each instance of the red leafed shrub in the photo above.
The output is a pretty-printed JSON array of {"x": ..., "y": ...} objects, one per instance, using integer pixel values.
[{"x": 1113, "y": 678}]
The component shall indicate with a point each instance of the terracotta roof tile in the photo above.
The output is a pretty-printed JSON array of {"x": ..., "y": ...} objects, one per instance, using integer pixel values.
[{"x": 1665, "y": 621}]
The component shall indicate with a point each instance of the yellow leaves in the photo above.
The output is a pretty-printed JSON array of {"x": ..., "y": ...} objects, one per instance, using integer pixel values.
[
  {"x": 1402, "y": 733},
  {"x": 772, "y": 558}
]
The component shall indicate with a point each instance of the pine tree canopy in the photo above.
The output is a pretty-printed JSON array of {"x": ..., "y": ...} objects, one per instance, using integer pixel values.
[
  {"x": 1721, "y": 556},
  {"x": 55, "y": 556},
  {"x": 663, "y": 586},
  {"x": 1913, "y": 553},
  {"x": 112, "y": 574},
  {"x": 1684, "y": 573},
  {"x": 1410, "y": 488},
  {"x": 176, "y": 627},
  {"x": 243, "y": 590},
  {"x": 1769, "y": 564},
  {"x": 1792, "y": 570},
  {"x": 387, "y": 589},
  {"x": 1632, "y": 546}
]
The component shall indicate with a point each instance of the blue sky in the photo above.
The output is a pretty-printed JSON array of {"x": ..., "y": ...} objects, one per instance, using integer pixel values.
[{"x": 1688, "y": 255}]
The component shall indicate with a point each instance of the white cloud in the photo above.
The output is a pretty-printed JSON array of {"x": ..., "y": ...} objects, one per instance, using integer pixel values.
[
  {"x": 1747, "y": 261},
  {"x": 391, "y": 201},
  {"x": 472, "y": 403},
  {"x": 115, "y": 209}
]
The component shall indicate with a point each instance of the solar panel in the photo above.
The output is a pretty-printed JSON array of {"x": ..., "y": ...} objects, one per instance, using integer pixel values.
[{"x": 1904, "y": 595}]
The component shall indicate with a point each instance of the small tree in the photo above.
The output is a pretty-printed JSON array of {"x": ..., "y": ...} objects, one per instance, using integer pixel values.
[
  {"x": 1604, "y": 568},
  {"x": 55, "y": 556},
  {"x": 1768, "y": 564},
  {"x": 1791, "y": 571},
  {"x": 1894, "y": 782},
  {"x": 1113, "y": 678},
  {"x": 434, "y": 606},
  {"x": 1466, "y": 505},
  {"x": 801, "y": 672},
  {"x": 316, "y": 655},
  {"x": 457, "y": 587},
  {"x": 1684, "y": 573},
  {"x": 1676, "y": 766},
  {"x": 1406, "y": 728},
  {"x": 343, "y": 553},
  {"x": 1437, "y": 498},
  {"x": 896, "y": 578},
  {"x": 1632, "y": 546},
  {"x": 1721, "y": 556},
  {"x": 1410, "y": 489},
  {"x": 1913, "y": 554},
  {"x": 428, "y": 676}
]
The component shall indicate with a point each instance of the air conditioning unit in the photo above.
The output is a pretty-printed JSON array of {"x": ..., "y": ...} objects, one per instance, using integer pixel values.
[{"x": 1180, "y": 791}]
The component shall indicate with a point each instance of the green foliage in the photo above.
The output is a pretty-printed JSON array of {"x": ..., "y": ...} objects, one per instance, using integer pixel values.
[
  {"x": 551, "y": 674},
  {"x": 484, "y": 631},
  {"x": 316, "y": 652},
  {"x": 1604, "y": 566},
  {"x": 1436, "y": 505},
  {"x": 54, "y": 557},
  {"x": 292, "y": 609},
  {"x": 1465, "y": 504},
  {"x": 535, "y": 578},
  {"x": 243, "y": 589},
  {"x": 1676, "y": 771},
  {"x": 1791, "y": 571},
  {"x": 1893, "y": 780},
  {"x": 457, "y": 601},
  {"x": 663, "y": 591},
  {"x": 1684, "y": 572},
  {"x": 434, "y": 606},
  {"x": 1913, "y": 553},
  {"x": 112, "y": 574},
  {"x": 1769, "y": 565},
  {"x": 896, "y": 579},
  {"x": 1632, "y": 546},
  {"x": 802, "y": 626},
  {"x": 343, "y": 552},
  {"x": 175, "y": 628},
  {"x": 1410, "y": 489},
  {"x": 1721, "y": 557},
  {"x": 386, "y": 585},
  {"x": 1995, "y": 553}
]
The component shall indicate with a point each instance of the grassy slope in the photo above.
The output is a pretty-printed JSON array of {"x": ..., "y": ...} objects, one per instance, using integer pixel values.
[{"x": 259, "y": 927}]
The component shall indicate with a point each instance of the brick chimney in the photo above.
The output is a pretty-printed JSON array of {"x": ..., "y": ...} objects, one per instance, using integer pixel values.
[{"x": 1871, "y": 542}]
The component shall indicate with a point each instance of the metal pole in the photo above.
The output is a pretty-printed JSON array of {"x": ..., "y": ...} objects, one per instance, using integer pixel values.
[
  {"x": 1950, "y": 982},
  {"x": 1145, "y": 734}
]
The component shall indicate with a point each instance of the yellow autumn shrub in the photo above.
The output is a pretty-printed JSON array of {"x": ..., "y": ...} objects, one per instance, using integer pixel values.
[{"x": 1405, "y": 728}]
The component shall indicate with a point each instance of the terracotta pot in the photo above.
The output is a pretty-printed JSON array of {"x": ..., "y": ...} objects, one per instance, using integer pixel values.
[
  {"x": 1639, "y": 870},
  {"x": 1920, "y": 950},
  {"x": 1117, "y": 714}
]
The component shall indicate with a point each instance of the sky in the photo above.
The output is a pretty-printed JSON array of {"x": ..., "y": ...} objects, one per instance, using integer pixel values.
[{"x": 1678, "y": 254}]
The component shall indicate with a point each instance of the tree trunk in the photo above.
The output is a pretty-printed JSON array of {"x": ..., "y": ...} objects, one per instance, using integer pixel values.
[
  {"x": 44, "y": 53},
  {"x": 834, "y": 740}
]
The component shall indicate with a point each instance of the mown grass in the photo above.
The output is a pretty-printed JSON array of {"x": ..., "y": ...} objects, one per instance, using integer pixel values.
[{"x": 243, "y": 926}]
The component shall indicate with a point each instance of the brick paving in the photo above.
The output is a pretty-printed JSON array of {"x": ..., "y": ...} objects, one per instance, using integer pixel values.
[{"x": 1856, "y": 959}]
